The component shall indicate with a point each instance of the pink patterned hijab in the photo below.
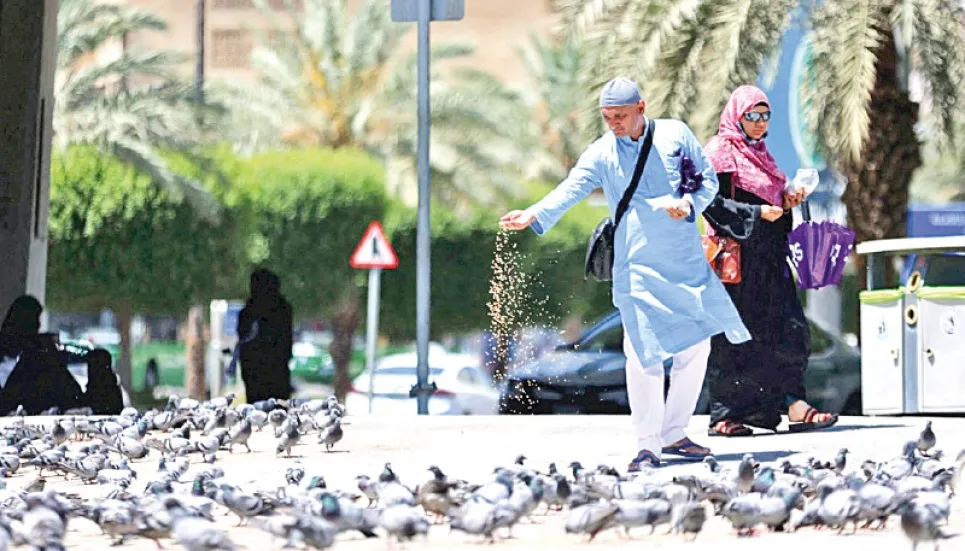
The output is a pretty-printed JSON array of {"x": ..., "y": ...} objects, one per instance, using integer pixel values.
[{"x": 731, "y": 150}]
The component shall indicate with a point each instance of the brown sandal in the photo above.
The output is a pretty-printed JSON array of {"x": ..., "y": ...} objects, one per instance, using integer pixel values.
[{"x": 729, "y": 428}]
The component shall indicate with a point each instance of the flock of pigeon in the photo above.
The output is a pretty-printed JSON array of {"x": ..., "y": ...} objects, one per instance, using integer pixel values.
[{"x": 301, "y": 510}]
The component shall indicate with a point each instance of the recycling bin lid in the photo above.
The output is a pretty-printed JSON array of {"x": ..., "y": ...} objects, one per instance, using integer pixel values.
[
  {"x": 880, "y": 296},
  {"x": 941, "y": 293}
]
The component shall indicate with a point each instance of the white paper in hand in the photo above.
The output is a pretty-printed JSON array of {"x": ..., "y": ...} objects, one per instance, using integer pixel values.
[{"x": 806, "y": 179}]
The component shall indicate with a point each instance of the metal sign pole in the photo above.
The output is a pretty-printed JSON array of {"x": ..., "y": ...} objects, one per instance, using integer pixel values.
[
  {"x": 423, "y": 230},
  {"x": 372, "y": 329},
  {"x": 424, "y": 11}
]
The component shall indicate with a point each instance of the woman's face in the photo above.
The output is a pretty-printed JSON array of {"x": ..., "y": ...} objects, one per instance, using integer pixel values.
[{"x": 755, "y": 121}]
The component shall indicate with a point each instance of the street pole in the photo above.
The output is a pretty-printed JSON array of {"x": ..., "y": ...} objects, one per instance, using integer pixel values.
[
  {"x": 199, "y": 55},
  {"x": 423, "y": 231},
  {"x": 372, "y": 329}
]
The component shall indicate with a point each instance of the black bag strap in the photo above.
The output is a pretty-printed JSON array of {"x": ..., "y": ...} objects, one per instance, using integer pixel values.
[{"x": 624, "y": 203}]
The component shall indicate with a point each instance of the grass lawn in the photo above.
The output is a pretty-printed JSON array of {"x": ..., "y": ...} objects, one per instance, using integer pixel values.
[{"x": 170, "y": 357}]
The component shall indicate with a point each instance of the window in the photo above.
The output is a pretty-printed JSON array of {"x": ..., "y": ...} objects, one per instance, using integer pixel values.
[
  {"x": 278, "y": 40},
  {"x": 467, "y": 375},
  {"x": 231, "y": 48},
  {"x": 608, "y": 340}
]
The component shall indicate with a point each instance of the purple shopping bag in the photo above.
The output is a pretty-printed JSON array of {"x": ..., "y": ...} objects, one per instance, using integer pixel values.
[
  {"x": 818, "y": 251},
  {"x": 839, "y": 249}
]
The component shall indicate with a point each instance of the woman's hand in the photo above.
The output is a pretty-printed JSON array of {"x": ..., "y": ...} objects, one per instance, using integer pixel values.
[
  {"x": 516, "y": 220},
  {"x": 772, "y": 213},
  {"x": 792, "y": 200}
]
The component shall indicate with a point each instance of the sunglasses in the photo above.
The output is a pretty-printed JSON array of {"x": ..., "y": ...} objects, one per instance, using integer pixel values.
[{"x": 757, "y": 116}]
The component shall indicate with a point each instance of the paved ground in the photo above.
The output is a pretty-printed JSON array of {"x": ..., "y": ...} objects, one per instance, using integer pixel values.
[{"x": 470, "y": 447}]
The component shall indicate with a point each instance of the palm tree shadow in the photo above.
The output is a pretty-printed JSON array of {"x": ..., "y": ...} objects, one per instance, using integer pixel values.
[
  {"x": 763, "y": 457},
  {"x": 835, "y": 428}
]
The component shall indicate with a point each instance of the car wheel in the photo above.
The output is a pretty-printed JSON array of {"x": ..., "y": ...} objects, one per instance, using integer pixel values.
[{"x": 853, "y": 406}]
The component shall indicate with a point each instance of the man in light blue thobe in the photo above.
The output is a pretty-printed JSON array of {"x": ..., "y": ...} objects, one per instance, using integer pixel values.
[{"x": 670, "y": 300}]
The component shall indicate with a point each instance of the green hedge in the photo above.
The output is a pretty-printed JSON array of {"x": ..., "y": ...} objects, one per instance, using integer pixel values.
[{"x": 309, "y": 209}]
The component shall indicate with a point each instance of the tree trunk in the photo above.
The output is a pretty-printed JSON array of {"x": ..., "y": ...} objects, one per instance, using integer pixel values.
[
  {"x": 194, "y": 380},
  {"x": 344, "y": 324},
  {"x": 123, "y": 322},
  {"x": 877, "y": 192}
]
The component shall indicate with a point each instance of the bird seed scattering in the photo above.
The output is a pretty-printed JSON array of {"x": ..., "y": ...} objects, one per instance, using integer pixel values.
[{"x": 517, "y": 300}]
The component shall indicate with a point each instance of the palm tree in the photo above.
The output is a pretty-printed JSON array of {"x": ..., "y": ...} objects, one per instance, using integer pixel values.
[
  {"x": 565, "y": 117},
  {"x": 132, "y": 105},
  {"x": 333, "y": 81},
  {"x": 691, "y": 53}
]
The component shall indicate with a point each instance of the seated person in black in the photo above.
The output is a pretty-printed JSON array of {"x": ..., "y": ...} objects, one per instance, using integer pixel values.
[{"x": 33, "y": 368}]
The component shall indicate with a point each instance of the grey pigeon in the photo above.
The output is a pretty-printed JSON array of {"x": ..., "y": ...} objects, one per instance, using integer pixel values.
[
  {"x": 743, "y": 512},
  {"x": 257, "y": 418},
  {"x": 244, "y": 505},
  {"x": 690, "y": 518},
  {"x": 404, "y": 522},
  {"x": 745, "y": 473},
  {"x": 839, "y": 508},
  {"x": 287, "y": 440},
  {"x": 920, "y": 523},
  {"x": 332, "y": 435},
  {"x": 475, "y": 517},
  {"x": 927, "y": 439},
  {"x": 591, "y": 519},
  {"x": 878, "y": 502},
  {"x": 239, "y": 435},
  {"x": 632, "y": 513},
  {"x": 197, "y": 534}
]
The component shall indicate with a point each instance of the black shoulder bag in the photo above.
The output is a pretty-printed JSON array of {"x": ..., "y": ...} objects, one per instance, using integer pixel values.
[{"x": 599, "y": 251}]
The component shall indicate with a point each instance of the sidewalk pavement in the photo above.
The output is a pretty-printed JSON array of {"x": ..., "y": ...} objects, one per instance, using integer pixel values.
[{"x": 470, "y": 447}]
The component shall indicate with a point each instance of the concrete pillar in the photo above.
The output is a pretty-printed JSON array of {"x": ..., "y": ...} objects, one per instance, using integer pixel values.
[{"x": 28, "y": 36}]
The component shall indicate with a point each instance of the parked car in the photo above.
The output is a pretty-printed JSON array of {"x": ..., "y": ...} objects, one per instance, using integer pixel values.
[
  {"x": 463, "y": 387},
  {"x": 311, "y": 363},
  {"x": 588, "y": 376}
]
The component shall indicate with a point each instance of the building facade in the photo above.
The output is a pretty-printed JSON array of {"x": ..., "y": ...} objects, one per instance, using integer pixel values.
[{"x": 234, "y": 27}]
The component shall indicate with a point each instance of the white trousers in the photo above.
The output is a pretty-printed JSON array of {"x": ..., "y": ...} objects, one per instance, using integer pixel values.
[{"x": 656, "y": 425}]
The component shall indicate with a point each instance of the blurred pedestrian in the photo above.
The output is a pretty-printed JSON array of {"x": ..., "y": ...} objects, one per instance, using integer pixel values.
[
  {"x": 33, "y": 368},
  {"x": 670, "y": 300},
  {"x": 753, "y": 383},
  {"x": 265, "y": 336}
]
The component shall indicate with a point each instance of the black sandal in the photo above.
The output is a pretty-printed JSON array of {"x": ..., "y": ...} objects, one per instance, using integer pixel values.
[
  {"x": 810, "y": 424},
  {"x": 730, "y": 429}
]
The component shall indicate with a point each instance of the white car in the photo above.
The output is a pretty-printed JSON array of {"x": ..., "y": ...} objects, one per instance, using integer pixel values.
[{"x": 463, "y": 388}]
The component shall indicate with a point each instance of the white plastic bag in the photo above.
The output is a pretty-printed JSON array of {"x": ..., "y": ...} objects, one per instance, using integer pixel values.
[{"x": 806, "y": 179}]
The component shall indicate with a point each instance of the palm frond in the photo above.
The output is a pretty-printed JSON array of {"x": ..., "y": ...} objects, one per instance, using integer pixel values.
[
  {"x": 844, "y": 38},
  {"x": 939, "y": 45},
  {"x": 83, "y": 26},
  {"x": 144, "y": 158},
  {"x": 576, "y": 18}
]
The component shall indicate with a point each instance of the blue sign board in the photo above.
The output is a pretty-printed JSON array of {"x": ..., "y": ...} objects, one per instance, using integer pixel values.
[
  {"x": 229, "y": 327},
  {"x": 936, "y": 220}
]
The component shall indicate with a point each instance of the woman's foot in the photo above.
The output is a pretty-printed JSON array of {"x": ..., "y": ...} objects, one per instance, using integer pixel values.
[
  {"x": 803, "y": 417},
  {"x": 802, "y": 412},
  {"x": 727, "y": 427}
]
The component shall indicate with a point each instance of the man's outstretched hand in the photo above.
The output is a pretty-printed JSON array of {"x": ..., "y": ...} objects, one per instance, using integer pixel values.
[
  {"x": 516, "y": 220},
  {"x": 679, "y": 210}
]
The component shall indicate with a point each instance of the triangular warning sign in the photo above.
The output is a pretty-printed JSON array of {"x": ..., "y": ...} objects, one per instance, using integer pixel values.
[{"x": 374, "y": 250}]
